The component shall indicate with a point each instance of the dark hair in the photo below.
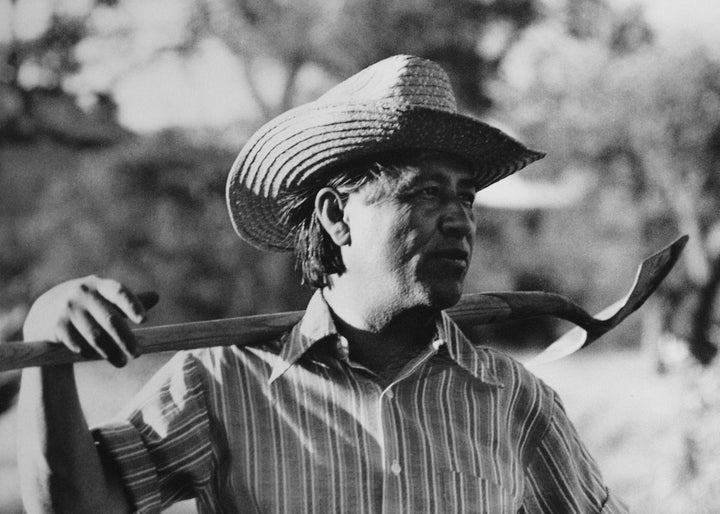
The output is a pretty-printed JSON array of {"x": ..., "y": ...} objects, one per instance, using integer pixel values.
[{"x": 316, "y": 255}]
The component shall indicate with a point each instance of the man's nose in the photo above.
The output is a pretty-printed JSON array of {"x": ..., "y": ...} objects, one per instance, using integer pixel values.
[{"x": 458, "y": 220}]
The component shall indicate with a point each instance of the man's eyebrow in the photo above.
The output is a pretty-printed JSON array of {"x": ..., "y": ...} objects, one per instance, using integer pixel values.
[
  {"x": 428, "y": 177},
  {"x": 411, "y": 181},
  {"x": 467, "y": 182}
]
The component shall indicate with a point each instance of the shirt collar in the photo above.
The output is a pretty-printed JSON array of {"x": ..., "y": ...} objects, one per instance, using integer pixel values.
[
  {"x": 317, "y": 324},
  {"x": 476, "y": 360}
]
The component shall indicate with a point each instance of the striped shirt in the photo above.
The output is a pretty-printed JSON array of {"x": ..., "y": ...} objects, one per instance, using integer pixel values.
[{"x": 295, "y": 426}]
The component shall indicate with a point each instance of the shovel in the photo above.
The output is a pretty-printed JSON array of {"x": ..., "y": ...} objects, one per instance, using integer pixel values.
[{"x": 472, "y": 309}]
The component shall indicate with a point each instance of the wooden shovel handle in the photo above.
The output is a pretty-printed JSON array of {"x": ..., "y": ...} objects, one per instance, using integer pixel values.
[{"x": 472, "y": 309}]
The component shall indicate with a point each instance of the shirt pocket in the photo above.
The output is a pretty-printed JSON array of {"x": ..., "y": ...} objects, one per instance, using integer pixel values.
[{"x": 465, "y": 493}]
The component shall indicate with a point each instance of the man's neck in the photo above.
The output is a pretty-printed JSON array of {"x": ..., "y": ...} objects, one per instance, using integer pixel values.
[{"x": 383, "y": 338}]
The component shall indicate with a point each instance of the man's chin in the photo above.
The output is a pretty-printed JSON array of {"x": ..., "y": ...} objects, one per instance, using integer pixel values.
[{"x": 445, "y": 296}]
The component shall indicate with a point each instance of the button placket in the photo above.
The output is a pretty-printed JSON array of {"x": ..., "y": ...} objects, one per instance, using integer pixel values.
[
  {"x": 387, "y": 408},
  {"x": 388, "y": 426},
  {"x": 393, "y": 494},
  {"x": 391, "y": 463}
]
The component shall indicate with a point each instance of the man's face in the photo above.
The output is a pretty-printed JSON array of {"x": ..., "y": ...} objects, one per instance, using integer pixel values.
[{"x": 411, "y": 240}]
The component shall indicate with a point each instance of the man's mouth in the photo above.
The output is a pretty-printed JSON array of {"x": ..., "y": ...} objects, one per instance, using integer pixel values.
[{"x": 452, "y": 255}]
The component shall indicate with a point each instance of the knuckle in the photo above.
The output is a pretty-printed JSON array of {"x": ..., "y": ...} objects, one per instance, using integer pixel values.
[
  {"x": 113, "y": 286},
  {"x": 93, "y": 294},
  {"x": 64, "y": 323},
  {"x": 80, "y": 295},
  {"x": 62, "y": 332},
  {"x": 83, "y": 283}
]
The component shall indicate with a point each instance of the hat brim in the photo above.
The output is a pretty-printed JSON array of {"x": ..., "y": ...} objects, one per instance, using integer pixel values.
[{"x": 302, "y": 144}]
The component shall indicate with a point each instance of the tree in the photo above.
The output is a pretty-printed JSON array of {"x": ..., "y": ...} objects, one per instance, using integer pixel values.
[
  {"x": 33, "y": 94},
  {"x": 153, "y": 215},
  {"x": 645, "y": 121},
  {"x": 470, "y": 38}
]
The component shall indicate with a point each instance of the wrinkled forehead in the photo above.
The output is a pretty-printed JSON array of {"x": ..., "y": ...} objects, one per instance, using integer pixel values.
[
  {"x": 393, "y": 175},
  {"x": 444, "y": 168},
  {"x": 440, "y": 168}
]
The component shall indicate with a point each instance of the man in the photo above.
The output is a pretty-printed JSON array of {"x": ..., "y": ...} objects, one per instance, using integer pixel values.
[{"x": 374, "y": 402}]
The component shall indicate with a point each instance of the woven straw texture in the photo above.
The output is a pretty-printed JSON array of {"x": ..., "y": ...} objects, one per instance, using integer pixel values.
[{"x": 400, "y": 103}]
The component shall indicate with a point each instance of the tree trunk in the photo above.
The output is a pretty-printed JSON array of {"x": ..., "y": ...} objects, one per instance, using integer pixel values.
[{"x": 700, "y": 345}]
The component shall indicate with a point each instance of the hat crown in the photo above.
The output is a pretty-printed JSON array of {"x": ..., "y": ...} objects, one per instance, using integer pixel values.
[
  {"x": 401, "y": 80},
  {"x": 403, "y": 103}
]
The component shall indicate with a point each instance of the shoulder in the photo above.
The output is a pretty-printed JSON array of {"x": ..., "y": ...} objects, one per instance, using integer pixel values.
[
  {"x": 214, "y": 363},
  {"x": 220, "y": 355},
  {"x": 495, "y": 367},
  {"x": 530, "y": 404},
  {"x": 511, "y": 374}
]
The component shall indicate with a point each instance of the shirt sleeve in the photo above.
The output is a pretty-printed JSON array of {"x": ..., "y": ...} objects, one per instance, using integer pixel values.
[
  {"x": 162, "y": 446},
  {"x": 562, "y": 477}
]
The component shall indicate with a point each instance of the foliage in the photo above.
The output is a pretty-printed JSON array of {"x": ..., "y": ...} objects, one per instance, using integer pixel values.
[
  {"x": 470, "y": 38},
  {"x": 646, "y": 122},
  {"x": 152, "y": 213},
  {"x": 51, "y": 51},
  {"x": 34, "y": 99}
]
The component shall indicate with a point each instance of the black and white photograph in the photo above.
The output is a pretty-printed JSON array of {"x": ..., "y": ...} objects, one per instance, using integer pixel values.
[{"x": 360, "y": 256}]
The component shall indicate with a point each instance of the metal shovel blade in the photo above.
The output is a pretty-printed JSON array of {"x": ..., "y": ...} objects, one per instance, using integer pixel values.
[{"x": 651, "y": 273}]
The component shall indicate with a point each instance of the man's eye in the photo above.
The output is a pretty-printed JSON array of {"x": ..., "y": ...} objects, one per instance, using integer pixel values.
[
  {"x": 430, "y": 192},
  {"x": 467, "y": 198}
]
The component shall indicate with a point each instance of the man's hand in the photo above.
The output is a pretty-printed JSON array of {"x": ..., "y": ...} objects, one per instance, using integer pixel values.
[
  {"x": 89, "y": 315},
  {"x": 60, "y": 467}
]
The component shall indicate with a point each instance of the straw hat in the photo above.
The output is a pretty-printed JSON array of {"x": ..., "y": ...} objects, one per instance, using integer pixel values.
[{"x": 400, "y": 103}]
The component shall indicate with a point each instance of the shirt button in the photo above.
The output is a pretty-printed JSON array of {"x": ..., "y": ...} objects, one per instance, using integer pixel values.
[
  {"x": 395, "y": 468},
  {"x": 390, "y": 395},
  {"x": 342, "y": 348}
]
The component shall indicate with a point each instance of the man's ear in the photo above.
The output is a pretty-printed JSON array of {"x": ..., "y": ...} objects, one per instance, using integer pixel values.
[{"x": 329, "y": 211}]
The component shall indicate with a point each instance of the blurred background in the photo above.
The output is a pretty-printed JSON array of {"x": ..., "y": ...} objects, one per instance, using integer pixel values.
[{"x": 120, "y": 118}]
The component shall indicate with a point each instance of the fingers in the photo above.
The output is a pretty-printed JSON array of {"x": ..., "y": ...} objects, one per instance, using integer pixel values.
[
  {"x": 112, "y": 326},
  {"x": 103, "y": 325},
  {"x": 89, "y": 315},
  {"x": 120, "y": 296},
  {"x": 97, "y": 339},
  {"x": 66, "y": 333}
]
